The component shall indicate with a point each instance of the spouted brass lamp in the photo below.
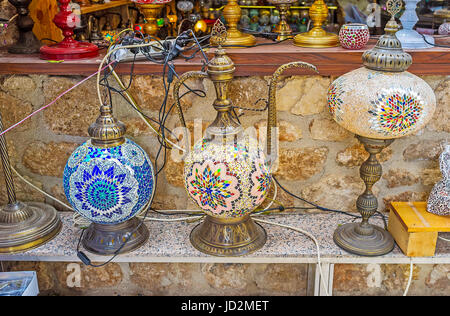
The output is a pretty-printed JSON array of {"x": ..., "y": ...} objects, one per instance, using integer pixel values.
[
  {"x": 227, "y": 174},
  {"x": 317, "y": 36},
  {"x": 232, "y": 15},
  {"x": 23, "y": 226},
  {"x": 379, "y": 103},
  {"x": 108, "y": 180}
]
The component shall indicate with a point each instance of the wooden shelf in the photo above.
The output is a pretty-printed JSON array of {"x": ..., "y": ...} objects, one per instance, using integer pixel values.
[
  {"x": 255, "y": 61},
  {"x": 104, "y": 6}
]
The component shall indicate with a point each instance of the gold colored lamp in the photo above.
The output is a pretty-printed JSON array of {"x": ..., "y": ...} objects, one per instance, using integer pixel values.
[
  {"x": 379, "y": 103},
  {"x": 232, "y": 15},
  {"x": 283, "y": 29},
  {"x": 317, "y": 37},
  {"x": 226, "y": 174},
  {"x": 23, "y": 226},
  {"x": 151, "y": 9}
]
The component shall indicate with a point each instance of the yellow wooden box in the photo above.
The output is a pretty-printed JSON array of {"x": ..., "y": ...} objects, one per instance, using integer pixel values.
[{"x": 414, "y": 229}]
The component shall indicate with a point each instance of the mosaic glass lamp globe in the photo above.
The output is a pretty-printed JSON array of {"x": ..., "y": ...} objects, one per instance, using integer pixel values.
[
  {"x": 108, "y": 180},
  {"x": 379, "y": 103}
]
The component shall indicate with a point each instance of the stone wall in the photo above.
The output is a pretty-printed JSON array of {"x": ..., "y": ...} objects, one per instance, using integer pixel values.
[{"x": 318, "y": 160}]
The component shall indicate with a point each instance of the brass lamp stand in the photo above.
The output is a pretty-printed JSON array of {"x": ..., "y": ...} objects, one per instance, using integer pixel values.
[
  {"x": 363, "y": 238},
  {"x": 283, "y": 29},
  {"x": 23, "y": 226},
  {"x": 151, "y": 13},
  {"x": 232, "y": 14},
  {"x": 317, "y": 36}
]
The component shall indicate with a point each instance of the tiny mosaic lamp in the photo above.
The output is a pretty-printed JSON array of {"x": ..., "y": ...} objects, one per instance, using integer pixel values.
[
  {"x": 108, "y": 180},
  {"x": 379, "y": 103}
]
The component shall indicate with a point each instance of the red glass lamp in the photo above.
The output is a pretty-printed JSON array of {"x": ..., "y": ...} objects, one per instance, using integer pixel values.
[{"x": 68, "y": 48}]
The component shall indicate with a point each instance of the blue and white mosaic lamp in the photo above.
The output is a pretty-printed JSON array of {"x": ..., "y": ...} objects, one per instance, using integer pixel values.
[
  {"x": 379, "y": 103},
  {"x": 108, "y": 180}
]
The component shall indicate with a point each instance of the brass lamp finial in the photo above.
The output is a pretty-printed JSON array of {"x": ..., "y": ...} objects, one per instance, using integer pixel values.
[
  {"x": 107, "y": 131},
  {"x": 388, "y": 55}
]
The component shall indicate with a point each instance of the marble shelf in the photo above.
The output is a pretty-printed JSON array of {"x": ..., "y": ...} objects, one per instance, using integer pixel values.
[{"x": 169, "y": 242}]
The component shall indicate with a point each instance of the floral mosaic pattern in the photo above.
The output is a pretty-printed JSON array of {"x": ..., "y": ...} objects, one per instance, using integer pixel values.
[
  {"x": 108, "y": 185},
  {"x": 396, "y": 111},
  {"x": 213, "y": 187},
  {"x": 334, "y": 98},
  {"x": 227, "y": 179},
  {"x": 261, "y": 181}
]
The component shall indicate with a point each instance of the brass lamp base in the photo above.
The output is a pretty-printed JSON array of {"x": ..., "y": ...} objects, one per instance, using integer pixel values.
[
  {"x": 106, "y": 239},
  {"x": 362, "y": 238},
  {"x": 316, "y": 39},
  {"x": 228, "y": 237},
  {"x": 27, "y": 226},
  {"x": 238, "y": 38},
  {"x": 378, "y": 243}
]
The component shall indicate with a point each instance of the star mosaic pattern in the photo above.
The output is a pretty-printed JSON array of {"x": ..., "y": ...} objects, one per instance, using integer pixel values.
[{"x": 108, "y": 185}]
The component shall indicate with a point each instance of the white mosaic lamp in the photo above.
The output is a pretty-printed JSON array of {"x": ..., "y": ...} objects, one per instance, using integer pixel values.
[
  {"x": 379, "y": 103},
  {"x": 108, "y": 180}
]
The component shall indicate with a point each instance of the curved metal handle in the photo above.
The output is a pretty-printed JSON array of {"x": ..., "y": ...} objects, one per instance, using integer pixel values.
[
  {"x": 176, "y": 94},
  {"x": 272, "y": 111}
]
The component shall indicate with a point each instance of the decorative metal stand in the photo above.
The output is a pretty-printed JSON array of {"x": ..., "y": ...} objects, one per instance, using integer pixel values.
[
  {"x": 283, "y": 29},
  {"x": 363, "y": 238},
  {"x": 232, "y": 14},
  {"x": 317, "y": 36},
  {"x": 151, "y": 13},
  {"x": 228, "y": 237},
  {"x": 23, "y": 226},
  {"x": 105, "y": 239},
  {"x": 27, "y": 43},
  {"x": 410, "y": 38}
]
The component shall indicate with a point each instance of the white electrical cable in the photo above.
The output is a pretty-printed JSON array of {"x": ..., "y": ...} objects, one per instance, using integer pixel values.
[
  {"x": 319, "y": 264},
  {"x": 411, "y": 269},
  {"x": 41, "y": 191},
  {"x": 448, "y": 240}
]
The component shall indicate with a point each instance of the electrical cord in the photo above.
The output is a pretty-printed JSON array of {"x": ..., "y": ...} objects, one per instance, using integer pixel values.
[
  {"x": 433, "y": 44},
  {"x": 316, "y": 242}
]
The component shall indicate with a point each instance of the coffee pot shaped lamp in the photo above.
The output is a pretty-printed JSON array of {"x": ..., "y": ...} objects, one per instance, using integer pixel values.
[
  {"x": 317, "y": 36},
  {"x": 151, "y": 9},
  {"x": 379, "y": 103},
  {"x": 23, "y": 226},
  {"x": 108, "y": 180},
  {"x": 227, "y": 174},
  {"x": 68, "y": 48}
]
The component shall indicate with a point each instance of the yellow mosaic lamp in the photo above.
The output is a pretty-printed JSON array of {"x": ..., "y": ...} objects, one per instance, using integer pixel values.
[
  {"x": 379, "y": 103},
  {"x": 227, "y": 173},
  {"x": 317, "y": 36}
]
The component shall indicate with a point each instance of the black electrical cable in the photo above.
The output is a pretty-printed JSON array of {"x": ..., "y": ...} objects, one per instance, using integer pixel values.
[
  {"x": 433, "y": 44},
  {"x": 320, "y": 207},
  {"x": 163, "y": 114}
]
